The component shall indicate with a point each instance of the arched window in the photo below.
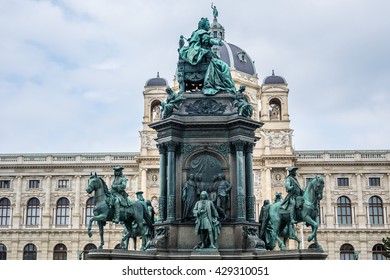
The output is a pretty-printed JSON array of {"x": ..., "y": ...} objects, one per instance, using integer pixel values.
[
  {"x": 3, "y": 252},
  {"x": 63, "y": 212},
  {"x": 33, "y": 212},
  {"x": 275, "y": 110},
  {"x": 347, "y": 252},
  {"x": 30, "y": 252},
  {"x": 344, "y": 213},
  {"x": 156, "y": 111},
  {"x": 5, "y": 212},
  {"x": 377, "y": 252},
  {"x": 60, "y": 252},
  {"x": 87, "y": 248},
  {"x": 375, "y": 210},
  {"x": 89, "y": 210}
]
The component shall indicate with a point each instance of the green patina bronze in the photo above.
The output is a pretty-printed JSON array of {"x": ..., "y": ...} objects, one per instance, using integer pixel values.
[
  {"x": 215, "y": 11},
  {"x": 277, "y": 221},
  {"x": 131, "y": 213},
  {"x": 242, "y": 104},
  {"x": 172, "y": 103},
  {"x": 199, "y": 68},
  {"x": 207, "y": 224}
]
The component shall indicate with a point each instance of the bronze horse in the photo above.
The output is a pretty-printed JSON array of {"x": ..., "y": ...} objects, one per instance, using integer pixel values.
[
  {"x": 103, "y": 212},
  {"x": 276, "y": 219}
]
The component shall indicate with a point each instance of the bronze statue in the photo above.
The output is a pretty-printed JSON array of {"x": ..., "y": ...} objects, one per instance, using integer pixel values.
[
  {"x": 150, "y": 229},
  {"x": 210, "y": 71},
  {"x": 189, "y": 197},
  {"x": 294, "y": 190},
  {"x": 104, "y": 212},
  {"x": 172, "y": 102},
  {"x": 223, "y": 195},
  {"x": 241, "y": 102},
  {"x": 277, "y": 218},
  {"x": 119, "y": 194},
  {"x": 207, "y": 224},
  {"x": 215, "y": 11}
]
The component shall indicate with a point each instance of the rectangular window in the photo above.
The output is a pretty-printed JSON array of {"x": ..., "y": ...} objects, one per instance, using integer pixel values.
[
  {"x": 5, "y": 184},
  {"x": 33, "y": 184},
  {"x": 343, "y": 182},
  {"x": 374, "y": 182},
  {"x": 63, "y": 184}
]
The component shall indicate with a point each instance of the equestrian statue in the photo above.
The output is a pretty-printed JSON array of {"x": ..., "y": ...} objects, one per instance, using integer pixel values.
[
  {"x": 110, "y": 206},
  {"x": 279, "y": 218}
]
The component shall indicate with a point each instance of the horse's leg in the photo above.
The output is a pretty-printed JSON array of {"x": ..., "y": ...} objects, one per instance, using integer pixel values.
[
  {"x": 125, "y": 238},
  {"x": 101, "y": 232},
  {"x": 294, "y": 236},
  {"x": 314, "y": 227},
  {"x": 90, "y": 226},
  {"x": 97, "y": 218},
  {"x": 276, "y": 232}
]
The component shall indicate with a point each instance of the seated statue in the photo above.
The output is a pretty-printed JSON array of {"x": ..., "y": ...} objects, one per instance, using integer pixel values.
[
  {"x": 241, "y": 102},
  {"x": 173, "y": 102},
  {"x": 199, "y": 68}
]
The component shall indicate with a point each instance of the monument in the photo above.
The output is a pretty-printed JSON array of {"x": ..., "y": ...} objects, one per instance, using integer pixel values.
[{"x": 205, "y": 139}]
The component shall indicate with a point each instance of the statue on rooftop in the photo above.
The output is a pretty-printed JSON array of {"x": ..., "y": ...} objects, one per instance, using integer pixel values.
[{"x": 215, "y": 11}]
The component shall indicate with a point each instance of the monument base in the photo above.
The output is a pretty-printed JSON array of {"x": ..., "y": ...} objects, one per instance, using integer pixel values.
[{"x": 118, "y": 254}]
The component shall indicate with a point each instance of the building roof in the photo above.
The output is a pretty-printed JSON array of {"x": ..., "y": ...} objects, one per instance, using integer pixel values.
[
  {"x": 274, "y": 80},
  {"x": 156, "y": 82}
]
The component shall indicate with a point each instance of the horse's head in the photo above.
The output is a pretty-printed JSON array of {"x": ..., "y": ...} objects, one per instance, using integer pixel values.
[
  {"x": 93, "y": 183},
  {"x": 318, "y": 182}
]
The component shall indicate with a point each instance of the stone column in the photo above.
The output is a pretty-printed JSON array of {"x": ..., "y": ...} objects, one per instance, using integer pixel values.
[
  {"x": 268, "y": 184},
  {"x": 240, "y": 174},
  {"x": 162, "y": 200},
  {"x": 46, "y": 210},
  {"x": 250, "y": 198},
  {"x": 329, "y": 217},
  {"x": 144, "y": 181},
  {"x": 171, "y": 182},
  {"x": 360, "y": 216},
  {"x": 16, "y": 215},
  {"x": 76, "y": 220}
]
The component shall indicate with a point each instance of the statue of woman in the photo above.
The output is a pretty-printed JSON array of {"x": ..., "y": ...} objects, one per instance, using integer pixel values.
[{"x": 217, "y": 77}]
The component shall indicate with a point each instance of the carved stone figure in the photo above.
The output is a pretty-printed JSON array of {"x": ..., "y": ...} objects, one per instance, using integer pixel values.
[
  {"x": 189, "y": 197},
  {"x": 119, "y": 194},
  {"x": 207, "y": 224}
]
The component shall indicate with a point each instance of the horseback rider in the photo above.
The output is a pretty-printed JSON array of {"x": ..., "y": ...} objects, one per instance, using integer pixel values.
[
  {"x": 118, "y": 193},
  {"x": 293, "y": 191}
]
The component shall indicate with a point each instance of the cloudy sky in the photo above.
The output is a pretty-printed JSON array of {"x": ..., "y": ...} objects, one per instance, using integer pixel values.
[{"x": 72, "y": 72}]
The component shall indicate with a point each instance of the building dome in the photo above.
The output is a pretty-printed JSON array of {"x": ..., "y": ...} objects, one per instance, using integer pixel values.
[
  {"x": 235, "y": 57},
  {"x": 156, "y": 82},
  {"x": 232, "y": 55},
  {"x": 274, "y": 80}
]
